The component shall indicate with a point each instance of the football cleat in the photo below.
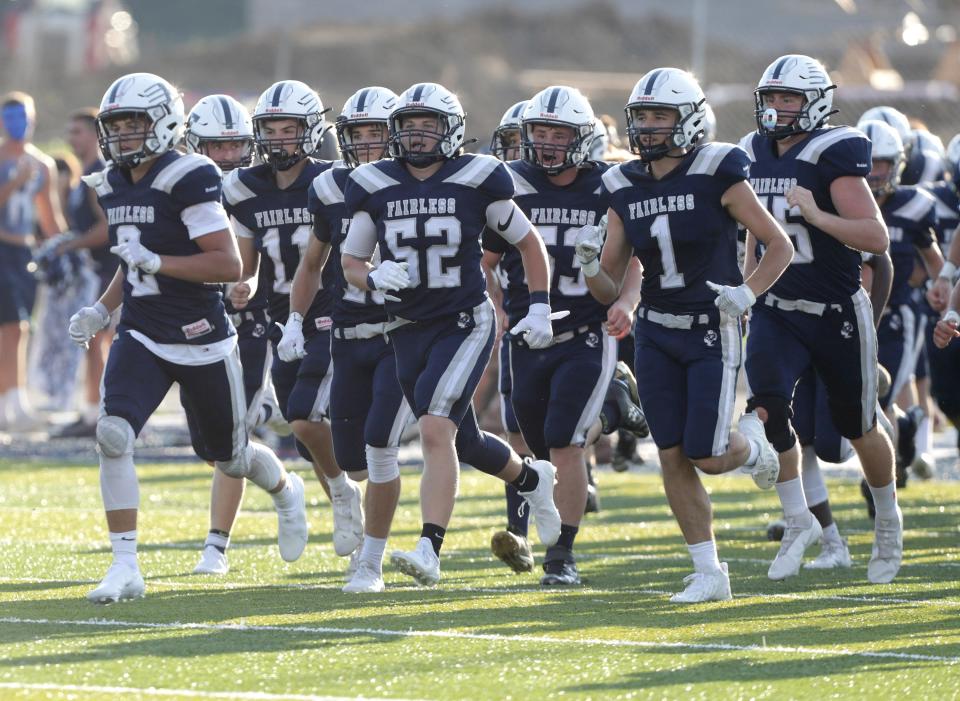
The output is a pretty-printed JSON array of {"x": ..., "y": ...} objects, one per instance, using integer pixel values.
[
  {"x": 120, "y": 583},
  {"x": 540, "y": 500},
  {"x": 292, "y": 520},
  {"x": 632, "y": 418},
  {"x": 366, "y": 580},
  {"x": 625, "y": 451},
  {"x": 77, "y": 429},
  {"x": 212, "y": 561},
  {"x": 798, "y": 536},
  {"x": 514, "y": 550},
  {"x": 832, "y": 555},
  {"x": 705, "y": 586},
  {"x": 421, "y": 563},
  {"x": 767, "y": 467},
  {"x": 924, "y": 466},
  {"x": 354, "y": 563},
  {"x": 887, "y": 552},
  {"x": 347, "y": 519},
  {"x": 560, "y": 569}
]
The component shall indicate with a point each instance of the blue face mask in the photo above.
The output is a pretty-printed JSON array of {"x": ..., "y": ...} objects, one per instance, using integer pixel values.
[{"x": 16, "y": 122}]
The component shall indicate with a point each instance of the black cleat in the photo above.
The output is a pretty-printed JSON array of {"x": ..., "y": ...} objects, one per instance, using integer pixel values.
[
  {"x": 77, "y": 429},
  {"x": 514, "y": 550},
  {"x": 907, "y": 425},
  {"x": 631, "y": 415},
  {"x": 625, "y": 451},
  {"x": 560, "y": 570}
]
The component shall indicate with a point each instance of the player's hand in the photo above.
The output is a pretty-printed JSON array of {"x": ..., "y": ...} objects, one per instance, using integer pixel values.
[
  {"x": 733, "y": 301},
  {"x": 239, "y": 295},
  {"x": 939, "y": 294},
  {"x": 535, "y": 327},
  {"x": 587, "y": 246},
  {"x": 801, "y": 197},
  {"x": 619, "y": 319},
  {"x": 946, "y": 329},
  {"x": 389, "y": 276},
  {"x": 87, "y": 322},
  {"x": 136, "y": 256},
  {"x": 291, "y": 347}
]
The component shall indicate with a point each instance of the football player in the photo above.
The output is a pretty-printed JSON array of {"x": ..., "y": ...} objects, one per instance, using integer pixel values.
[
  {"x": 168, "y": 227},
  {"x": 505, "y": 143},
  {"x": 812, "y": 179},
  {"x": 677, "y": 209},
  {"x": 427, "y": 207},
  {"x": 557, "y": 393},
  {"x": 268, "y": 206},
  {"x": 367, "y": 410}
]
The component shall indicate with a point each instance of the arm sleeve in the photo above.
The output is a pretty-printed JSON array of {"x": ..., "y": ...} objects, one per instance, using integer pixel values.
[
  {"x": 506, "y": 218},
  {"x": 361, "y": 239},
  {"x": 490, "y": 241},
  {"x": 204, "y": 218}
]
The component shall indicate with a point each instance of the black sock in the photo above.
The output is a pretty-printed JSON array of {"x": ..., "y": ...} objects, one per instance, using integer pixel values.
[
  {"x": 567, "y": 536},
  {"x": 435, "y": 533},
  {"x": 528, "y": 479},
  {"x": 822, "y": 513},
  {"x": 518, "y": 513}
]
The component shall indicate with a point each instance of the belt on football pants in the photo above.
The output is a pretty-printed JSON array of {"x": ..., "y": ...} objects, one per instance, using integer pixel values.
[
  {"x": 796, "y": 305},
  {"x": 673, "y": 321},
  {"x": 569, "y": 335},
  {"x": 360, "y": 331}
]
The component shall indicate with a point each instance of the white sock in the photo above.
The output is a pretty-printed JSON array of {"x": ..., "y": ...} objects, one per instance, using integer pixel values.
[
  {"x": 124, "y": 546},
  {"x": 924, "y": 436},
  {"x": 372, "y": 551},
  {"x": 792, "y": 499},
  {"x": 217, "y": 540},
  {"x": 90, "y": 413},
  {"x": 831, "y": 534},
  {"x": 3, "y": 407},
  {"x": 814, "y": 488},
  {"x": 338, "y": 484},
  {"x": 885, "y": 500},
  {"x": 754, "y": 453},
  {"x": 704, "y": 556}
]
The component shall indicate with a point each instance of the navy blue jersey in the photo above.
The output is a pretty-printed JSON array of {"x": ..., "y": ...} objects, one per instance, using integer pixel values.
[
  {"x": 351, "y": 305},
  {"x": 558, "y": 213},
  {"x": 678, "y": 227},
  {"x": 80, "y": 218},
  {"x": 823, "y": 269},
  {"x": 948, "y": 211},
  {"x": 18, "y": 215},
  {"x": 434, "y": 225},
  {"x": 280, "y": 224},
  {"x": 911, "y": 217},
  {"x": 165, "y": 309}
]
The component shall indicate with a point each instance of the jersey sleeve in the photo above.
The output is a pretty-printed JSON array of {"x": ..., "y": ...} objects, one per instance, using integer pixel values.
[
  {"x": 926, "y": 232},
  {"x": 847, "y": 156},
  {"x": 733, "y": 168},
  {"x": 356, "y": 198},
  {"x": 498, "y": 185},
  {"x": 203, "y": 183}
]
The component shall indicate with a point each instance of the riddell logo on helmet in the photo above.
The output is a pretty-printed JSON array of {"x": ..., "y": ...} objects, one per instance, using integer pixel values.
[
  {"x": 775, "y": 81},
  {"x": 549, "y": 115},
  {"x": 358, "y": 115},
  {"x": 274, "y": 109}
]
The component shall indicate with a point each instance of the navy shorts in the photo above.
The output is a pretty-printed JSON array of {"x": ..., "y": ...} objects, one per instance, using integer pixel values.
[
  {"x": 18, "y": 287},
  {"x": 897, "y": 348},
  {"x": 135, "y": 381},
  {"x": 508, "y": 416},
  {"x": 687, "y": 380},
  {"x": 944, "y": 375},
  {"x": 440, "y": 361},
  {"x": 366, "y": 403},
  {"x": 303, "y": 386},
  {"x": 840, "y": 344},
  {"x": 812, "y": 421},
  {"x": 558, "y": 391}
]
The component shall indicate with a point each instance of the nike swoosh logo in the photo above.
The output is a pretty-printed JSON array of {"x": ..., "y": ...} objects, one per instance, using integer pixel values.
[
  {"x": 127, "y": 538},
  {"x": 506, "y": 225}
]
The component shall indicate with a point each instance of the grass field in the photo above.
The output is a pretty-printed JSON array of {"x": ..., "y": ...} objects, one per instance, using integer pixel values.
[{"x": 269, "y": 630}]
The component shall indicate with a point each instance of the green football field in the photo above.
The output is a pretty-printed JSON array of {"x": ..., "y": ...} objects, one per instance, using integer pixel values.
[{"x": 271, "y": 630}]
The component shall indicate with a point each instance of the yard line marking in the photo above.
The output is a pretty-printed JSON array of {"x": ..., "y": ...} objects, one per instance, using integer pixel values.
[
  {"x": 256, "y": 695},
  {"x": 458, "y": 635}
]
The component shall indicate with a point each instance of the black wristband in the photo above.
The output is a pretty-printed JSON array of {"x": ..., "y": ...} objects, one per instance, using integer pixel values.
[
  {"x": 370, "y": 283},
  {"x": 540, "y": 297}
]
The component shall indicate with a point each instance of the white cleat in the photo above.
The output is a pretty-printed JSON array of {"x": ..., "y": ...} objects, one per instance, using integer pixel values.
[
  {"x": 212, "y": 561},
  {"x": 354, "y": 563},
  {"x": 887, "y": 549},
  {"x": 366, "y": 580},
  {"x": 767, "y": 467},
  {"x": 833, "y": 555},
  {"x": 421, "y": 563},
  {"x": 705, "y": 586},
  {"x": 924, "y": 466},
  {"x": 121, "y": 582},
  {"x": 292, "y": 520},
  {"x": 542, "y": 507},
  {"x": 347, "y": 519},
  {"x": 798, "y": 536}
]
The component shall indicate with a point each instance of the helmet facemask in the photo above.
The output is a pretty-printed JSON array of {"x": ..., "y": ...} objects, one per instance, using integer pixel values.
[
  {"x": 683, "y": 134},
  {"x": 813, "y": 113},
  {"x": 202, "y": 146},
  {"x": 443, "y": 148},
  {"x": 886, "y": 184},
  {"x": 111, "y": 143},
  {"x": 574, "y": 153},
  {"x": 506, "y": 143},
  {"x": 355, "y": 154},
  {"x": 273, "y": 149}
]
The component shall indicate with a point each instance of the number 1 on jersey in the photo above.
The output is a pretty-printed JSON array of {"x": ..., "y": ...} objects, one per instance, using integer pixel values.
[{"x": 660, "y": 230}]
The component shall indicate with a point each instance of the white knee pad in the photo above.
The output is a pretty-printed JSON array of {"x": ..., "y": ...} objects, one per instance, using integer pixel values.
[
  {"x": 382, "y": 464},
  {"x": 114, "y": 436},
  {"x": 238, "y": 466},
  {"x": 264, "y": 467}
]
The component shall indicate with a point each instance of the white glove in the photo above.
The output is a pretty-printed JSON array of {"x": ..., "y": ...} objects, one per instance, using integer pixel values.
[
  {"x": 733, "y": 301},
  {"x": 587, "y": 246},
  {"x": 290, "y": 347},
  {"x": 136, "y": 256},
  {"x": 85, "y": 324},
  {"x": 389, "y": 276},
  {"x": 535, "y": 326}
]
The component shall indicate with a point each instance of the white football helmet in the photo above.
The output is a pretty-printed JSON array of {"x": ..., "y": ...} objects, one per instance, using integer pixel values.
[
  {"x": 674, "y": 89},
  {"x": 220, "y": 118},
  {"x": 148, "y": 96},
  {"x": 509, "y": 122},
  {"x": 887, "y": 146},
  {"x": 953, "y": 159},
  {"x": 435, "y": 100},
  {"x": 926, "y": 163},
  {"x": 371, "y": 105},
  {"x": 795, "y": 73},
  {"x": 558, "y": 106},
  {"x": 709, "y": 126},
  {"x": 601, "y": 141},
  {"x": 896, "y": 119},
  {"x": 289, "y": 99}
]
